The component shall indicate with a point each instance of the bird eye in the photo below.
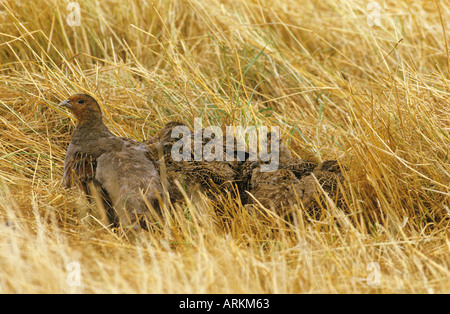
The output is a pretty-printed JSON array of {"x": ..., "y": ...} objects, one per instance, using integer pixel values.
[{"x": 81, "y": 101}]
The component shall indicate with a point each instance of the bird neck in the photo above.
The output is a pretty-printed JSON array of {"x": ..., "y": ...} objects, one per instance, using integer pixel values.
[
  {"x": 91, "y": 130},
  {"x": 90, "y": 123}
]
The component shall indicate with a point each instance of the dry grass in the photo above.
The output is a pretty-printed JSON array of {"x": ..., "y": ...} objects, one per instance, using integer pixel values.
[{"x": 375, "y": 98}]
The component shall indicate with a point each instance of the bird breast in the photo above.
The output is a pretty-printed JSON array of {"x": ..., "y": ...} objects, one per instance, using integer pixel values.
[{"x": 123, "y": 173}]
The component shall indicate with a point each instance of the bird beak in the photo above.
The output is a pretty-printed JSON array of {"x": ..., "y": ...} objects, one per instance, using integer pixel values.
[{"x": 65, "y": 104}]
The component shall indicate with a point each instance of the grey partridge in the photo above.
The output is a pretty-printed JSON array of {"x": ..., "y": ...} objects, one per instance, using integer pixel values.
[
  {"x": 119, "y": 169},
  {"x": 209, "y": 177},
  {"x": 328, "y": 175},
  {"x": 295, "y": 179},
  {"x": 277, "y": 190}
]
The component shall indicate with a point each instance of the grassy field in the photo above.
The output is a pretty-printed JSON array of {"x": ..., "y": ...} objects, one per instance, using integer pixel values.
[{"x": 367, "y": 83}]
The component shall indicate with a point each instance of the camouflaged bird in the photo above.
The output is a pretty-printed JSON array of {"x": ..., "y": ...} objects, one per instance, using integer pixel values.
[
  {"x": 116, "y": 168},
  {"x": 281, "y": 190},
  {"x": 299, "y": 167},
  {"x": 211, "y": 177},
  {"x": 252, "y": 172},
  {"x": 295, "y": 180},
  {"x": 327, "y": 177},
  {"x": 278, "y": 190}
]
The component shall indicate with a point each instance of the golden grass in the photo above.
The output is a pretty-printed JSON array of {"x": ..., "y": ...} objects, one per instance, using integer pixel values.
[{"x": 375, "y": 98}]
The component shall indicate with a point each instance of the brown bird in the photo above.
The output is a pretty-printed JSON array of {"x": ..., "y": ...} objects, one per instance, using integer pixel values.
[
  {"x": 299, "y": 180},
  {"x": 277, "y": 190},
  {"x": 251, "y": 170},
  {"x": 329, "y": 176},
  {"x": 209, "y": 177},
  {"x": 117, "y": 168},
  {"x": 299, "y": 167}
]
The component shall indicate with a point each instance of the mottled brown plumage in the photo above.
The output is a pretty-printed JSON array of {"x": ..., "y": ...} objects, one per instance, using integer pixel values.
[
  {"x": 282, "y": 189},
  {"x": 278, "y": 190},
  {"x": 299, "y": 167},
  {"x": 326, "y": 177},
  {"x": 118, "y": 168},
  {"x": 209, "y": 177}
]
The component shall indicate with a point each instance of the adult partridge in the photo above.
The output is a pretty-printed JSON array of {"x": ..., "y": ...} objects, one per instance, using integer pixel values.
[{"x": 116, "y": 168}]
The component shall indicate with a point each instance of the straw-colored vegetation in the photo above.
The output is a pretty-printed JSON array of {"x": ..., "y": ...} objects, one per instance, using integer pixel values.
[{"x": 374, "y": 97}]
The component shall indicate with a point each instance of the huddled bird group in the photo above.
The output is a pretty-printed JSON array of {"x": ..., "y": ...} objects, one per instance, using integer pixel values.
[{"x": 133, "y": 180}]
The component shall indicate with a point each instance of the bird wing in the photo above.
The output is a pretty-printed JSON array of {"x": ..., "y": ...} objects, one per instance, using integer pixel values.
[
  {"x": 79, "y": 169},
  {"x": 80, "y": 165}
]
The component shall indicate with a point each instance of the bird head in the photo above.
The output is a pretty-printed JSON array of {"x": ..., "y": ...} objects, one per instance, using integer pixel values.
[{"x": 84, "y": 107}]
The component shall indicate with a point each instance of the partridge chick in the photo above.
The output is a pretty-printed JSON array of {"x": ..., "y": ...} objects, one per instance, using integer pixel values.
[
  {"x": 329, "y": 176},
  {"x": 278, "y": 190},
  {"x": 209, "y": 177}
]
